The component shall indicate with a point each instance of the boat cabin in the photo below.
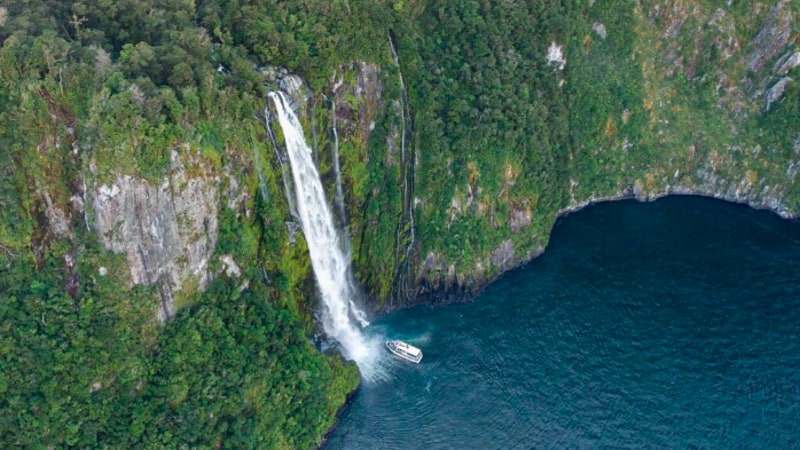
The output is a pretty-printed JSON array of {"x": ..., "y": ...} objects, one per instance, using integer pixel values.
[{"x": 404, "y": 350}]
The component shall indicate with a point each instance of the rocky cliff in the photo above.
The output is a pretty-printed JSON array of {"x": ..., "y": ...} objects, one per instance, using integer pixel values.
[
  {"x": 663, "y": 98},
  {"x": 666, "y": 98},
  {"x": 450, "y": 159},
  {"x": 141, "y": 179},
  {"x": 167, "y": 232}
]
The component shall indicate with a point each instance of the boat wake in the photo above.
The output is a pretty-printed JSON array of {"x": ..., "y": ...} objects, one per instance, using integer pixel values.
[
  {"x": 425, "y": 338},
  {"x": 381, "y": 366}
]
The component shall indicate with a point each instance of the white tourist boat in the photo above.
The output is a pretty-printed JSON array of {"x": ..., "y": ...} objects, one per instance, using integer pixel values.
[{"x": 405, "y": 350}]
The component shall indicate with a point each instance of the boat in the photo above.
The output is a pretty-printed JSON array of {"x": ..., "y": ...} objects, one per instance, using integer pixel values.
[{"x": 404, "y": 350}]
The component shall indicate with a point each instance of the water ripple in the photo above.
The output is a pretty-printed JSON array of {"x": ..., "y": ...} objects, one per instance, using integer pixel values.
[{"x": 672, "y": 324}]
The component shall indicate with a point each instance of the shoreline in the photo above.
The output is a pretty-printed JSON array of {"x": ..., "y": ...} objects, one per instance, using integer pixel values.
[
  {"x": 347, "y": 401},
  {"x": 458, "y": 293},
  {"x": 464, "y": 294}
]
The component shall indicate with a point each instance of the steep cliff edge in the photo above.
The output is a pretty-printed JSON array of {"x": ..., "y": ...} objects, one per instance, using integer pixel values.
[
  {"x": 510, "y": 125},
  {"x": 139, "y": 182},
  {"x": 151, "y": 293},
  {"x": 663, "y": 98},
  {"x": 167, "y": 232}
]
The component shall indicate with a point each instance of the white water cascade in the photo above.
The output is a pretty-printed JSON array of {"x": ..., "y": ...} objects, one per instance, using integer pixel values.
[{"x": 341, "y": 318}]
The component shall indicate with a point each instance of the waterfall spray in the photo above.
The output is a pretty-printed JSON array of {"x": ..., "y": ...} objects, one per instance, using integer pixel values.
[{"x": 341, "y": 318}]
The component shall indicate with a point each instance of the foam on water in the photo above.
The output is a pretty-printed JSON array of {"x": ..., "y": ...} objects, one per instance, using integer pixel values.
[{"x": 671, "y": 324}]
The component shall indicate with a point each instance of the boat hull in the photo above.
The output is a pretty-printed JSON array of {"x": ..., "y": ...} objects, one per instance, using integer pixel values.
[{"x": 404, "y": 351}]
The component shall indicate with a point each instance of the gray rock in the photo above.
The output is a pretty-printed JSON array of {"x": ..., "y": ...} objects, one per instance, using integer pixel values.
[
  {"x": 519, "y": 217},
  {"x": 600, "y": 29},
  {"x": 57, "y": 219},
  {"x": 503, "y": 256},
  {"x": 773, "y": 36},
  {"x": 168, "y": 232},
  {"x": 297, "y": 93},
  {"x": 269, "y": 73},
  {"x": 776, "y": 92},
  {"x": 230, "y": 267},
  {"x": 293, "y": 228},
  {"x": 787, "y": 63},
  {"x": 292, "y": 85}
]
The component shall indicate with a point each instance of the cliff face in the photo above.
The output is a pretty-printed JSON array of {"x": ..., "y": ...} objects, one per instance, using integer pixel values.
[
  {"x": 167, "y": 232},
  {"x": 733, "y": 151},
  {"x": 139, "y": 171},
  {"x": 666, "y": 98},
  {"x": 447, "y": 157},
  {"x": 452, "y": 171}
]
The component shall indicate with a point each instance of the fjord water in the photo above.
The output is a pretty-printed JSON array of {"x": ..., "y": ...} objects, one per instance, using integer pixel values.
[{"x": 672, "y": 324}]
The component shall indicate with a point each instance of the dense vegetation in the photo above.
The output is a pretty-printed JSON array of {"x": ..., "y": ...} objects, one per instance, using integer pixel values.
[
  {"x": 230, "y": 371},
  {"x": 493, "y": 106},
  {"x": 501, "y": 138},
  {"x": 92, "y": 89},
  {"x": 651, "y": 97}
]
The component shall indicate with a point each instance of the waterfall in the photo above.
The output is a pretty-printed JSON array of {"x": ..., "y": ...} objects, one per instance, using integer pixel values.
[
  {"x": 341, "y": 318},
  {"x": 287, "y": 185},
  {"x": 408, "y": 171},
  {"x": 336, "y": 168},
  {"x": 261, "y": 184}
]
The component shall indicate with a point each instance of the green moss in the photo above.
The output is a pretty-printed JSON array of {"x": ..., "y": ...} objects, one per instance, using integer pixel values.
[{"x": 504, "y": 141}]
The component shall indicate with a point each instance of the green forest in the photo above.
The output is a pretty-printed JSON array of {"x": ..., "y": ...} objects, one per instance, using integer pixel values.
[
  {"x": 117, "y": 86},
  {"x": 497, "y": 140}
]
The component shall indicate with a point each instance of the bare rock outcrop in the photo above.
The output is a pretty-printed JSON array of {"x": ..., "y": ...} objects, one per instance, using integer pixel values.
[
  {"x": 787, "y": 62},
  {"x": 358, "y": 101},
  {"x": 776, "y": 92},
  {"x": 773, "y": 36},
  {"x": 167, "y": 231}
]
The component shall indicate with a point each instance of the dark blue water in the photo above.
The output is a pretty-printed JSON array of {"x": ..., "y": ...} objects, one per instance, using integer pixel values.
[{"x": 672, "y": 324}]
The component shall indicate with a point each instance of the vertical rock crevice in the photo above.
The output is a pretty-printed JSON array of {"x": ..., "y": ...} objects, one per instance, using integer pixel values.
[
  {"x": 167, "y": 232},
  {"x": 406, "y": 234}
]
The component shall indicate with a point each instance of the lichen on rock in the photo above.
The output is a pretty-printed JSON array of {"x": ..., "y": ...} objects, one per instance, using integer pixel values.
[
  {"x": 168, "y": 231},
  {"x": 773, "y": 36}
]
